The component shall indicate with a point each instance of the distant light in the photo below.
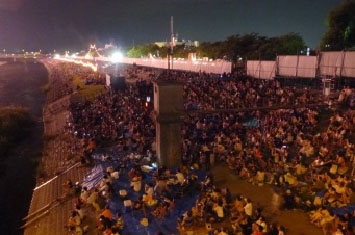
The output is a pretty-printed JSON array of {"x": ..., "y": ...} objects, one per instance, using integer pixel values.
[
  {"x": 57, "y": 56},
  {"x": 73, "y": 55},
  {"x": 88, "y": 56},
  {"x": 116, "y": 57}
]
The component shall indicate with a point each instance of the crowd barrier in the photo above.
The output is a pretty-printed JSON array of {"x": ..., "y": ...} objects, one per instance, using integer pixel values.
[
  {"x": 337, "y": 63},
  {"x": 327, "y": 64},
  {"x": 333, "y": 64},
  {"x": 297, "y": 66},
  {"x": 262, "y": 69},
  {"x": 216, "y": 67}
]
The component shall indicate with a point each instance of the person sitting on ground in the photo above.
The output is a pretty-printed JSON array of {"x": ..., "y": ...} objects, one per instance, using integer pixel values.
[
  {"x": 248, "y": 208},
  {"x": 76, "y": 230},
  {"x": 69, "y": 187},
  {"x": 187, "y": 220},
  {"x": 80, "y": 212},
  {"x": 104, "y": 223},
  {"x": 161, "y": 210},
  {"x": 136, "y": 184},
  {"x": 107, "y": 213},
  {"x": 180, "y": 177},
  {"x": 74, "y": 219},
  {"x": 289, "y": 198},
  {"x": 119, "y": 223},
  {"x": 84, "y": 195},
  {"x": 219, "y": 211},
  {"x": 148, "y": 200},
  {"x": 161, "y": 186},
  {"x": 138, "y": 203},
  {"x": 148, "y": 189}
]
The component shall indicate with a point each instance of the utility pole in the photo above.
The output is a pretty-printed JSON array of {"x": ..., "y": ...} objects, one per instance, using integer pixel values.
[{"x": 172, "y": 41}]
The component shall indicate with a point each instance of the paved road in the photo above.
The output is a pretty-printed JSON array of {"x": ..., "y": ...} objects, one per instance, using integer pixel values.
[{"x": 20, "y": 85}]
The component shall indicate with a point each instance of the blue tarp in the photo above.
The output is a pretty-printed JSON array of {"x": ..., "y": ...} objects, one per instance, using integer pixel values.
[
  {"x": 339, "y": 211},
  {"x": 132, "y": 220},
  {"x": 93, "y": 178}
]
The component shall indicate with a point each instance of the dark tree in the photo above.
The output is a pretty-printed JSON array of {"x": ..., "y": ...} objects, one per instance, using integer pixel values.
[
  {"x": 341, "y": 27},
  {"x": 248, "y": 46}
]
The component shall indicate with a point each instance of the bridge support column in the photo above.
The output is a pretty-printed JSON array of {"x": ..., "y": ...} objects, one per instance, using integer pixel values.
[{"x": 168, "y": 105}]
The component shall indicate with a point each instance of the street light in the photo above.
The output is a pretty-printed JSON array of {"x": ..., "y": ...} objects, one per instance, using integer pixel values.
[{"x": 116, "y": 57}]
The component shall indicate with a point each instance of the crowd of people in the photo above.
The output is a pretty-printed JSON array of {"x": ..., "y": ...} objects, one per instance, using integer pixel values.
[
  {"x": 306, "y": 153},
  {"x": 221, "y": 213},
  {"x": 207, "y": 94},
  {"x": 311, "y": 166}
]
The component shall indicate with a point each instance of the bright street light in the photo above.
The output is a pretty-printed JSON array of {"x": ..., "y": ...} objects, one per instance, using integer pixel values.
[{"x": 116, "y": 57}]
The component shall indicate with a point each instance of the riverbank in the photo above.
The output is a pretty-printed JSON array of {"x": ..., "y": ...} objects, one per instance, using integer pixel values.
[
  {"x": 20, "y": 85},
  {"x": 50, "y": 209}
]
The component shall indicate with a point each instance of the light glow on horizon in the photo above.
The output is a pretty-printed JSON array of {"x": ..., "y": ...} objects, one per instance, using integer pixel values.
[{"x": 83, "y": 63}]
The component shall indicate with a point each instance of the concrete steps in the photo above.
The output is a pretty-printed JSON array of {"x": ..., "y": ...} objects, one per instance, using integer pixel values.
[{"x": 54, "y": 221}]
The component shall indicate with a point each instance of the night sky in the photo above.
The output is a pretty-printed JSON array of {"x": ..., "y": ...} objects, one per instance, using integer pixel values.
[{"x": 72, "y": 24}]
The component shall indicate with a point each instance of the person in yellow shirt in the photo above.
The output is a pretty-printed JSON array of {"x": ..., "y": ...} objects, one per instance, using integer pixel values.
[{"x": 248, "y": 208}]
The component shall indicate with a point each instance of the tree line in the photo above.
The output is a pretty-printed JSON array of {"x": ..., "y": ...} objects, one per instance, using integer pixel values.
[
  {"x": 340, "y": 35},
  {"x": 247, "y": 46}
]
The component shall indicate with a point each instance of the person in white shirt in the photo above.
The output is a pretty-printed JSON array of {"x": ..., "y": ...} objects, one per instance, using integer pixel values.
[{"x": 281, "y": 230}]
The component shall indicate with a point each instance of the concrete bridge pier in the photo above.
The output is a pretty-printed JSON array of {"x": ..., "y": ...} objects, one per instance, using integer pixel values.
[{"x": 168, "y": 107}]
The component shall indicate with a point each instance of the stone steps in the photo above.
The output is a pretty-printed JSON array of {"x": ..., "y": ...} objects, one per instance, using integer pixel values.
[{"x": 57, "y": 218}]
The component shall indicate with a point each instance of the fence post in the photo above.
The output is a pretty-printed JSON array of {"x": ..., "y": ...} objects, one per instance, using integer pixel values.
[{"x": 298, "y": 60}]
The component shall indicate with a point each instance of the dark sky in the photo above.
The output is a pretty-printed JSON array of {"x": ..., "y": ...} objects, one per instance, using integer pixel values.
[{"x": 72, "y": 24}]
